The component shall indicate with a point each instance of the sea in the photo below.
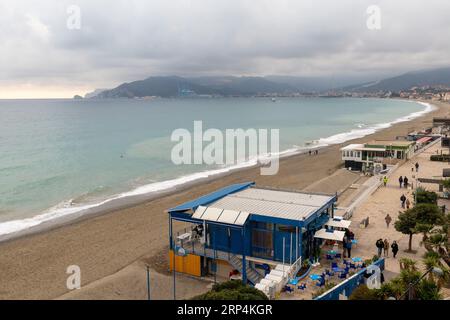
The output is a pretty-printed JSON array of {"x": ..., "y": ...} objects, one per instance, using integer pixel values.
[{"x": 61, "y": 157}]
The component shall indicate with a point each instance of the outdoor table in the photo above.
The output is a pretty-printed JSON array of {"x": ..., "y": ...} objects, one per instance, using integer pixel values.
[
  {"x": 332, "y": 252},
  {"x": 293, "y": 281},
  {"x": 315, "y": 277},
  {"x": 356, "y": 259},
  {"x": 184, "y": 236},
  {"x": 338, "y": 270}
]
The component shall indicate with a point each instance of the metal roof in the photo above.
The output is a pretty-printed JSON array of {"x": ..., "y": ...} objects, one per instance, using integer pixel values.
[
  {"x": 353, "y": 146},
  {"x": 388, "y": 143},
  {"x": 210, "y": 197},
  {"x": 424, "y": 139},
  {"x": 274, "y": 203},
  {"x": 361, "y": 147},
  {"x": 221, "y": 215}
]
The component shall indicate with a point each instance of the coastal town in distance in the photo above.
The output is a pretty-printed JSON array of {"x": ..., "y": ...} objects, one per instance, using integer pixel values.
[{"x": 217, "y": 159}]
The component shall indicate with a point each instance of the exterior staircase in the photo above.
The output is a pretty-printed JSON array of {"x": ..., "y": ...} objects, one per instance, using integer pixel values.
[{"x": 252, "y": 275}]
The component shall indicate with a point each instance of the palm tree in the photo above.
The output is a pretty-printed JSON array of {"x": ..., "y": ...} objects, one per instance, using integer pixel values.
[
  {"x": 432, "y": 260},
  {"x": 408, "y": 264}
]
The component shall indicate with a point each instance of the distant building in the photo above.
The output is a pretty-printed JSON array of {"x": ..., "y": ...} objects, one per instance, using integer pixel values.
[{"x": 378, "y": 153}]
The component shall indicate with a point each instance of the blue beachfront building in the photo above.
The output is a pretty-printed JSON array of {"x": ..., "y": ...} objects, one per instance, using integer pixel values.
[{"x": 247, "y": 229}]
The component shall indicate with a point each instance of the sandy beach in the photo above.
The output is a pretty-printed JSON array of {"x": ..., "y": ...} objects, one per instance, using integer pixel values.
[{"x": 113, "y": 248}]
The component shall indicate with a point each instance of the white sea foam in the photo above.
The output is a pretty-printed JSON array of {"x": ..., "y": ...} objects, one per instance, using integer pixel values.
[{"x": 67, "y": 208}]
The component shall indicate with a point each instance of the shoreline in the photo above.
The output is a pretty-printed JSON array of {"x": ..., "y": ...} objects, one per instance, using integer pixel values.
[
  {"x": 68, "y": 215},
  {"x": 34, "y": 265}
]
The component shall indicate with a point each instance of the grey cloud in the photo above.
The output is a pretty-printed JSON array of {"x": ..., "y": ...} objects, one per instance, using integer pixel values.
[{"x": 124, "y": 40}]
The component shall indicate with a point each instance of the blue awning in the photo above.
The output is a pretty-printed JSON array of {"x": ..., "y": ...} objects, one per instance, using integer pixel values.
[{"x": 211, "y": 197}]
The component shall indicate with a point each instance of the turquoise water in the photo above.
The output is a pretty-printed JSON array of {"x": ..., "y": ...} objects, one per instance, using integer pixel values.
[{"x": 59, "y": 155}]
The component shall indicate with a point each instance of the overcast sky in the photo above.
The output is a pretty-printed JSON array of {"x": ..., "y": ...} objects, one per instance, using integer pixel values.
[{"x": 122, "y": 41}]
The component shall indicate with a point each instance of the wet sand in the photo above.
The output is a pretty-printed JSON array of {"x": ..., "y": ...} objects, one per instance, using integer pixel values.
[{"x": 34, "y": 266}]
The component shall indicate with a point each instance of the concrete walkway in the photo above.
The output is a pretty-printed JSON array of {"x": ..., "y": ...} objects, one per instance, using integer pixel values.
[{"x": 387, "y": 200}]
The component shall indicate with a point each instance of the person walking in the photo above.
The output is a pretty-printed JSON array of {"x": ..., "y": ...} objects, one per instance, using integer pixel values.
[
  {"x": 388, "y": 220},
  {"x": 405, "y": 182},
  {"x": 386, "y": 248},
  {"x": 394, "y": 248},
  {"x": 380, "y": 246},
  {"x": 400, "y": 181},
  {"x": 385, "y": 181},
  {"x": 349, "y": 247},
  {"x": 408, "y": 204},
  {"x": 344, "y": 246},
  {"x": 403, "y": 200},
  {"x": 417, "y": 167}
]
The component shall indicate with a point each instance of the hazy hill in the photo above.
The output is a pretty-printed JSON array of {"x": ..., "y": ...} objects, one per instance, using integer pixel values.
[
  {"x": 155, "y": 86},
  {"x": 173, "y": 86},
  {"x": 406, "y": 81}
]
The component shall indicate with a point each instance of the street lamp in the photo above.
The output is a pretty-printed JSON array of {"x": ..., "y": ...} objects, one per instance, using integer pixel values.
[{"x": 435, "y": 270}]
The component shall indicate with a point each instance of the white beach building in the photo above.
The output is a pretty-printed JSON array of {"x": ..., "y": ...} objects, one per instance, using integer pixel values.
[{"x": 376, "y": 155}]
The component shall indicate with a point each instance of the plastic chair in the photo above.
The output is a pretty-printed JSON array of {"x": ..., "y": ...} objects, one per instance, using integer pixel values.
[
  {"x": 334, "y": 265},
  {"x": 302, "y": 286},
  {"x": 329, "y": 257},
  {"x": 288, "y": 289},
  {"x": 338, "y": 256},
  {"x": 329, "y": 273},
  {"x": 343, "y": 275}
]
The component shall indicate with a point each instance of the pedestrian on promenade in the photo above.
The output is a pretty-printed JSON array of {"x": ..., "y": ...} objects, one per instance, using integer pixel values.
[
  {"x": 394, "y": 248},
  {"x": 405, "y": 182},
  {"x": 349, "y": 247},
  {"x": 400, "y": 181},
  {"x": 417, "y": 167},
  {"x": 403, "y": 200},
  {"x": 344, "y": 246},
  {"x": 408, "y": 203},
  {"x": 388, "y": 220},
  {"x": 385, "y": 181},
  {"x": 386, "y": 247},
  {"x": 380, "y": 246}
]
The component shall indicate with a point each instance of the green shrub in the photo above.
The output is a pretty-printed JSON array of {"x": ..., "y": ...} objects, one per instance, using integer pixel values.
[
  {"x": 428, "y": 290},
  {"x": 232, "y": 290},
  {"x": 424, "y": 196},
  {"x": 440, "y": 157},
  {"x": 362, "y": 292}
]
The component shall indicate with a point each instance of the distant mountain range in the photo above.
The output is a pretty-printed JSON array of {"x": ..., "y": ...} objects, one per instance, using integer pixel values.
[
  {"x": 405, "y": 81},
  {"x": 174, "y": 86}
]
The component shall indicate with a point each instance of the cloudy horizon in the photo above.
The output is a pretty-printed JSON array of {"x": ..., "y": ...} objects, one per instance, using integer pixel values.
[{"x": 130, "y": 40}]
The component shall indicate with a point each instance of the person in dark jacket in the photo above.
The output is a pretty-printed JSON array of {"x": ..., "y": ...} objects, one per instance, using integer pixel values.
[
  {"x": 405, "y": 182},
  {"x": 403, "y": 200},
  {"x": 394, "y": 248},
  {"x": 349, "y": 247},
  {"x": 380, "y": 246},
  {"x": 400, "y": 181}
]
